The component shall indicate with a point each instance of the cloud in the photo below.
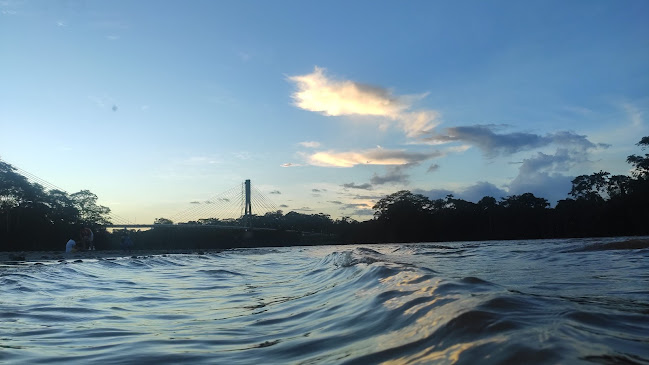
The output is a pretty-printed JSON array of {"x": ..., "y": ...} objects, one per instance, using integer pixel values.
[
  {"x": 290, "y": 164},
  {"x": 354, "y": 206},
  {"x": 395, "y": 174},
  {"x": 199, "y": 160},
  {"x": 635, "y": 114},
  {"x": 377, "y": 156},
  {"x": 315, "y": 190},
  {"x": 102, "y": 101},
  {"x": 472, "y": 193},
  {"x": 363, "y": 212},
  {"x": 244, "y": 155},
  {"x": 352, "y": 185},
  {"x": 276, "y": 192},
  {"x": 304, "y": 209},
  {"x": 551, "y": 186},
  {"x": 481, "y": 189},
  {"x": 493, "y": 144},
  {"x": 309, "y": 144},
  {"x": 318, "y": 93},
  {"x": 541, "y": 175},
  {"x": 112, "y": 37},
  {"x": 432, "y": 168},
  {"x": 224, "y": 200},
  {"x": 195, "y": 202},
  {"x": 283, "y": 206},
  {"x": 337, "y": 202},
  {"x": 366, "y": 197},
  {"x": 434, "y": 194}
]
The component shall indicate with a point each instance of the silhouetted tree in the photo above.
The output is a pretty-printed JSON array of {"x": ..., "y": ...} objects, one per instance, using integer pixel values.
[
  {"x": 590, "y": 187},
  {"x": 640, "y": 163}
]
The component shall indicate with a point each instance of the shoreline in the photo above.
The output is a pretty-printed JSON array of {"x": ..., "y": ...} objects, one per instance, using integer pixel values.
[{"x": 40, "y": 256}]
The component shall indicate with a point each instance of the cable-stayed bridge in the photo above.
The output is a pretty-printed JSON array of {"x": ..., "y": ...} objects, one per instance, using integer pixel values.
[{"x": 234, "y": 208}]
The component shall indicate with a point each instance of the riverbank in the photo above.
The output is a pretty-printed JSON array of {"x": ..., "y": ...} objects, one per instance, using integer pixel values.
[{"x": 40, "y": 256}]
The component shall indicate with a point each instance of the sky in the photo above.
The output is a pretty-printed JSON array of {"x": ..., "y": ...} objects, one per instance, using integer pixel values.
[{"x": 327, "y": 107}]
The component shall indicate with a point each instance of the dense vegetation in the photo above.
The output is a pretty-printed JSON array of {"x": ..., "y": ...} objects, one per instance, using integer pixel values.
[{"x": 33, "y": 218}]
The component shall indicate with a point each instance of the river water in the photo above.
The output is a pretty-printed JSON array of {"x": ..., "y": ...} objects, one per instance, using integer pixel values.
[{"x": 496, "y": 302}]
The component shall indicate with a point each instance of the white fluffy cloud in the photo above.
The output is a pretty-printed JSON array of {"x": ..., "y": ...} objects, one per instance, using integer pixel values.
[{"x": 318, "y": 93}]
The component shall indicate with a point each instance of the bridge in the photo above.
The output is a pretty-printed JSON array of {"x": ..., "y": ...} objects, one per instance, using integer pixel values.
[
  {"x": 235, "y": 208},
  {"x": 218, "y": 210}
]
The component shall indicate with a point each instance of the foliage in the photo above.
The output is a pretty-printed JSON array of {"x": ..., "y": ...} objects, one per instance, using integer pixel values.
[
  {"x": 34, "y": 218},
  {"x": 640, "y": 163}
]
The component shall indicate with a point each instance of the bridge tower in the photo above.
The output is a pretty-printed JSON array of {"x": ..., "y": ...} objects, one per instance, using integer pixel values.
[{"x": 247, "y": 216}]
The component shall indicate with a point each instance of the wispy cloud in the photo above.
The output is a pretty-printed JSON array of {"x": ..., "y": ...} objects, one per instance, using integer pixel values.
[
  {"x": 493, "y": 144},
  {"x": 635, "y": 114},
  {"x": 352, "y": 185},
  {"x": 290, "y": 164},
  {"x": 395, "y": 174},
  {"x": 355, "y": 206},
  {"x": 318, "y": 93},
  {"x": 432, "y": 168},
  {"x": 102, "y": 101},
  {"x": 112, "y": 37},
  {"x": 276, "y": 192},
  {"x": 304, "y": 209},
  {"x": 363, "y": 212},
  {"x": 378, "y": 156},
  {"x": 199, "y": 160},
  {"x": 309, "y": 144}
]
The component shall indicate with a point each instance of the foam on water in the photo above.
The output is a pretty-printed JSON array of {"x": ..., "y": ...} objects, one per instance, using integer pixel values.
[{"x": 553, "y": 301}]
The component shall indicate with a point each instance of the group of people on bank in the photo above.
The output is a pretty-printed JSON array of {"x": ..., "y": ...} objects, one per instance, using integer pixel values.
[{"x": 85, "y": 243}]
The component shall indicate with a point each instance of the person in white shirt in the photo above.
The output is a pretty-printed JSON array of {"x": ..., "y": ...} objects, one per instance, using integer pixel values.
[{"x": 70, "y": 246}]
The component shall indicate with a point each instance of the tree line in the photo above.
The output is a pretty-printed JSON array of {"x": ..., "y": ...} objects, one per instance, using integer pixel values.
[
  {"x": 599, "y": 204},
  {"x": 34, "y": 218}
]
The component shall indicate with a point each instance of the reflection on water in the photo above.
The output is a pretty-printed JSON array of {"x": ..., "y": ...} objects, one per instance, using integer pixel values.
[{"x": 560, "y": 301}]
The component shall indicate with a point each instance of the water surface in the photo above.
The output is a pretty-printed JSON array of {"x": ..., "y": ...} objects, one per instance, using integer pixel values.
[{"x": 540, "y": 301}]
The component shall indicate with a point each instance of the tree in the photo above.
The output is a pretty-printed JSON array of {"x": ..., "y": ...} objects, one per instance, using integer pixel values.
[
  {"x": 524, "y": 201},
  {"x": 590, "y": 187},
  {"x": 90, "y": 213},
  {"x": 618, "y": 186},
  {"x": 163, "y": 221},
  {"x": 640, "y": 163},
  {"x": 399, "y": 204}
]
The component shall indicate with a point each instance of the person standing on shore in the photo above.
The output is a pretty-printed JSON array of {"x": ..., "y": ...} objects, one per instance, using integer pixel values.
[
  {"x": 71, "y": 246},
  {"x": 87, "y": 238}
]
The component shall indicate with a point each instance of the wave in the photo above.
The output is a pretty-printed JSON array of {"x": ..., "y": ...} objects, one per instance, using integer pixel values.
[
  {"x": 486, "y": 303},
  {"x": 632, "y": 244}
]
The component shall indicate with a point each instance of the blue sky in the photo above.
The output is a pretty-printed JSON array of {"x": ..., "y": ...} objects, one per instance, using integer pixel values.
[{"x": 325, "y": 106}]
